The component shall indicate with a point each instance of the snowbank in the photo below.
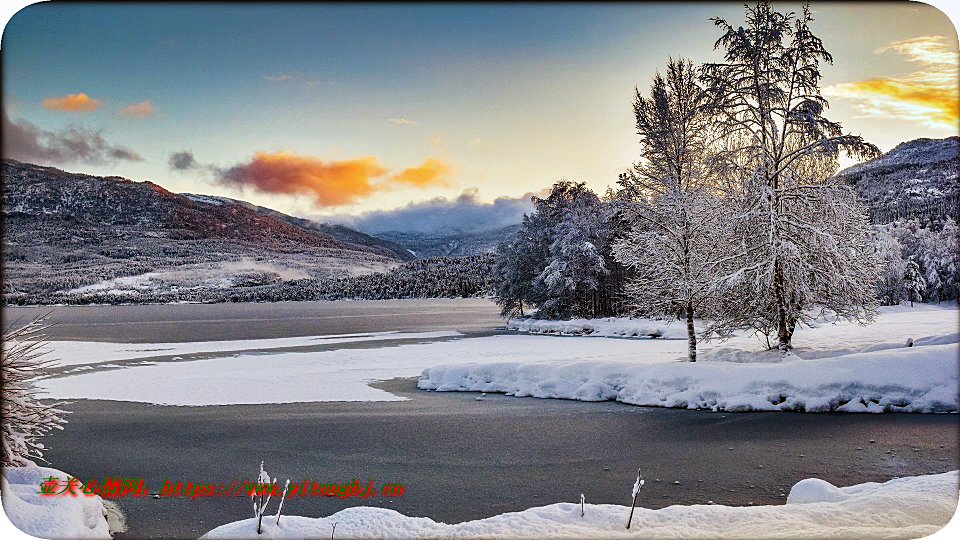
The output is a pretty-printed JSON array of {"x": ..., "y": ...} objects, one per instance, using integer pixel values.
[
  {"x": 903, "y": 508},
  {"x": 914, "y": 379},
  {"x": 607, "y": 327},
  {"x": 61, "y": 516}
]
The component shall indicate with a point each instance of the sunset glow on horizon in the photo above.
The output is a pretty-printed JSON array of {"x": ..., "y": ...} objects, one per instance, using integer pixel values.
[{"x": 323, "y": 110}]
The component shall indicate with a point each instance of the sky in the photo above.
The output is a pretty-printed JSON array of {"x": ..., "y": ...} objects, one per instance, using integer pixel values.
[{"x": 328, "y": 111}]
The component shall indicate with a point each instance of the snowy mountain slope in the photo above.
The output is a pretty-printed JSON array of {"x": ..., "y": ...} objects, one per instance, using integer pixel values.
[
  {"x": 917, "y": 171},
  {"x": 65, "y": 230},
  {"x": 338, "y": 232}
]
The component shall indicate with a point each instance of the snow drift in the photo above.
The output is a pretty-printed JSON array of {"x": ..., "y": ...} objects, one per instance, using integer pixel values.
[
  {"x": 60, "y": 516},
  {"x": 902, "y": 508}
]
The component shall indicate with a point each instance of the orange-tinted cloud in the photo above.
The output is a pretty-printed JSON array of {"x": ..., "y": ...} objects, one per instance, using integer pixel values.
[
  {"x": 329, "y": 183},
  {"x": 140, "y": 110},
  {"x": 72, "y": 103},
  {"x": 433, "y": 171},
  {"x": 929, "y": 96}
]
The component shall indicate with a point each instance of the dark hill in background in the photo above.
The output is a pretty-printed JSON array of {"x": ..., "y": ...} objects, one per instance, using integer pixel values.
[
  {"x": 65, "y": 230},
  {"x": 916, "y": 179},
  {"x": 338, "y": 232}
]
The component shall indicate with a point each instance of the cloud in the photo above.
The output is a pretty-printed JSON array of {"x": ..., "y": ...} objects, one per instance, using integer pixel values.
[
  {"x": 183, "y": 161},
  {"x": 928, "y": 96},
  {"x": 400, "y": 121},
  {"x": 432, "y": 172},
  {"x": 329, "y": 183},
  {"x": 72, "y": 103},
  {"x": 25, "y": 141},
  {"x": 139, "y": 110},
  {"x": 465, "y": 213},
  {"x": 277, "y": 77}
]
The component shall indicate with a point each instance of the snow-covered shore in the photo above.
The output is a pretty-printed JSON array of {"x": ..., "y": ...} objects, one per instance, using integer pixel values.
[
  {"x": 918, "y": 379},
  {"x": 910, "y": 507},
  {"x": 843, "y": 367},
  {"x": 57, "y": 516}
]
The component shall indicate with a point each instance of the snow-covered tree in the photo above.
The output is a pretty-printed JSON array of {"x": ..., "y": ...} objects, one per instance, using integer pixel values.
[
  {"x": 670, "y": 199},
  {"x": 805, "y": 236},
  {"x": 25, "y": 419},
  {"x": 913, "y": 281},
  {"x": 518, "y": 262},
  {"x": 574, "y": 275},
  {"x": 560, "y": 259},
  {"x": 890, "y": 289},
  {"x": 938, "y": 256}
]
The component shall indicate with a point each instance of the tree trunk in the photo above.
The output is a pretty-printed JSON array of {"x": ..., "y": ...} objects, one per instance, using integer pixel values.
[
  {"x": 784, "y": 332},
  {"x": 691, "y": 334}
]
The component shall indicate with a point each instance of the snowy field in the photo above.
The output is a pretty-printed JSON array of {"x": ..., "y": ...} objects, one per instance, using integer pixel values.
[
  {"x": 910, "y": 507},
  {"x": 835, "y": 367},
  {"x": 841, "y": 367}
]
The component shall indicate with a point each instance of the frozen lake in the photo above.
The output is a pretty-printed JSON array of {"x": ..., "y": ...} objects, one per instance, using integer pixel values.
[
  {"x": 214, "y": 322},
  {"x": 459, "y": 458}
]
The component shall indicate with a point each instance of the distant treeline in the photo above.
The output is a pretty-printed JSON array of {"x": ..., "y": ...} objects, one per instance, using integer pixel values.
[
  {"x": 437, "y": 277},
  {"x": 930, "y": 209}
]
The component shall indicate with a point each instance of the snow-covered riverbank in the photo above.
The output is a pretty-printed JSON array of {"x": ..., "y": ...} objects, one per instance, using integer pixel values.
[
  {"x": 910, "y": 507},
  {"x": 841, "y": 367}
]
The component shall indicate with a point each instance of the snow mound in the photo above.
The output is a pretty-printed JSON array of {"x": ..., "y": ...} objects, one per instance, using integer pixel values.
[
  {"x": 814, "y": 490},
  {"x": 914, "y": 379},
  {"x": 60, "y": 516},
  {"x": 605, "y": 327},
  {"x": 904, "y": 508}
]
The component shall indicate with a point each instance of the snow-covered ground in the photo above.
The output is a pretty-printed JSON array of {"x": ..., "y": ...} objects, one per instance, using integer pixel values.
[
  {"x": 910, "y": 507},
  {"x": 58, "y": 516},
  {"x": 836, "y": 367}
]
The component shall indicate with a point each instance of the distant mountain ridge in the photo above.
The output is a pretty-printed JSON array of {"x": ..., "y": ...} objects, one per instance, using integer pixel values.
[
  {"x": 450, "y": 243},
  {"x": 915, "y": 172}
]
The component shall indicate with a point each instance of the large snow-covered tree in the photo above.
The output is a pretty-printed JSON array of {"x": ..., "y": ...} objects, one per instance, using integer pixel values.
[
  {"x": 805, "y": 237},
  {"x": 670, "y": 199},
  {"x": 574, "y": 277},
  {"x": 560, "y": 259}
]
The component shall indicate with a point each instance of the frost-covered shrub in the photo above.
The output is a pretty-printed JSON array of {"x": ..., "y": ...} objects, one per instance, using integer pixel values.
[{"x": 25, "y": 418}]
